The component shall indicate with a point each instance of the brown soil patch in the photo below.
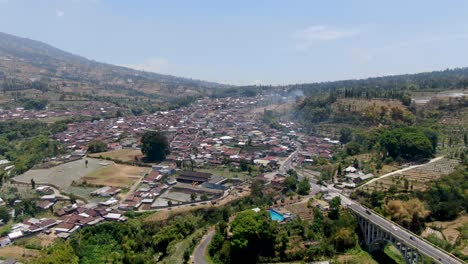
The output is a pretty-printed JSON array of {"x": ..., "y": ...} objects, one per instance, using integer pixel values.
[
  {"x": 116, "y": 175},
  {"x": 122, "y": 154},
  {"x": 18, "y": 253},
  {"x": 450, "y": 231}
]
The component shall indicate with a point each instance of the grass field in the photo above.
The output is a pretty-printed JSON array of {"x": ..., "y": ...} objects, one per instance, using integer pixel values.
[
  {"x": 116, "y": 175},
  {"x": 122, "y": 154}
]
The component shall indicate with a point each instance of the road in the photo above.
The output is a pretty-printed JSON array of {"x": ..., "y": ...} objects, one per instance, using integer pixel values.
[
  {"x": 284, "y": 166},
  {"x": 401, "y": 233},
  {"x": 402, "y": 170},
  {"x": 200, "y": 251}
]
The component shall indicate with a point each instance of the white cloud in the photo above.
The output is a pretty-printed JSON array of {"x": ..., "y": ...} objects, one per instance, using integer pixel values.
[
  {"x": 59, "y": 13},
  {"x": 306, "y": 37}
]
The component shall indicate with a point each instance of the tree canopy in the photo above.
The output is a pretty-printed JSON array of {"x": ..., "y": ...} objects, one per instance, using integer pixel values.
[
  {"x": 97, "y": 146},
  {"x": 155, "y": 146},
  {"x": 408, "y": 143}
]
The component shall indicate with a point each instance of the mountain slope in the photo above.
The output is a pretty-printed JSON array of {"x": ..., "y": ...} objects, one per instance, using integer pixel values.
[{"x": 23, "y": 61}]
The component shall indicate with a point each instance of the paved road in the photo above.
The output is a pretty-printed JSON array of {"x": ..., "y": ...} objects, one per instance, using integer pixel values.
[
  {"x": 401, "y": 233},
  {"x": 200, "y": 251},
  {"x": 402, "y": 170}
]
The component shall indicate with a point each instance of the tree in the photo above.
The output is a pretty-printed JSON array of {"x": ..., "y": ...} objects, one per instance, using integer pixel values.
[
  {"x": 204, "y": 197},
  {"x": 59, "y": 253},
  {"x": 353, "y": 148},
  {"x": 193, "y": 197},
  {"x": 304, "y": 187},
  {"x": 97, "y": 146},
  {"x": 169, "y": 203},
  {"x": 409, "y": 143},
  {"x": 155, "y": 146},
  {"x": 290, "y": 183},
  {"x": 344, "y": 239},
  {"x": 346, "y": 134},
  {"x": 244, "y": 165},
  {"x": 4, "y": 214},
  {"x": 72, "y": 198},
  {"x": 253, "y": 235},
  {"x": 335, "y": 205}
]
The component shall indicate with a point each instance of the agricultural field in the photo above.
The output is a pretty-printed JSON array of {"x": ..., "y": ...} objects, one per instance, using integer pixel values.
[
  {"x": 451, "y": 229},
  {"x": 417, "y": 177},
  {"x": 116, "y": 175},
  {"x": 122, "y": 154}
]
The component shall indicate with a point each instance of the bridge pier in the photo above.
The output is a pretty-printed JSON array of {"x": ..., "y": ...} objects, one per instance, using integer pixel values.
[{"x": 375, "y": 238}]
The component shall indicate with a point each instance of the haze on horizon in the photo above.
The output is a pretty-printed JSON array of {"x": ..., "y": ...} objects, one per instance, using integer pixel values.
[{"x": 246, "y": 42}]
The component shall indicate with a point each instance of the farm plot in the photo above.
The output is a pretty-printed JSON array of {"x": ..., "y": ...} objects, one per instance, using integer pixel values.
[
  {"x": 116, "y": 175},
  {"x": 417, "y": 177}
]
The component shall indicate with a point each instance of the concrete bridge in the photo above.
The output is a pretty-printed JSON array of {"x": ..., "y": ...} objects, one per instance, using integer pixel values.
[{"x": 379, "y": 231}]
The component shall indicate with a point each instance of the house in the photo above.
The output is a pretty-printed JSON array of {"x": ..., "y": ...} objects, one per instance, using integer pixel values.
[
  {"x": 44, "y": 205},
  {"x": 15, "y": 235},
  {"x": 65, "y": 227},
  {"x": 4, "y": 241},
  {"x": 106, "y": 191},
  {"x": 193, "y": 177},
  {"x": 115, "y": 217}
]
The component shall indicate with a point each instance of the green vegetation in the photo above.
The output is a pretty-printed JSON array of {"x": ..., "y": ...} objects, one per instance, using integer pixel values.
[
  {"x": 447, "y": 196},
  {"x": 26, "y": 143},
  {"x": 154, "y": 145},
  {"x": 409, "y": 143},
  {"x": 270, "y": 119},
  {"x": 97, "y": 146},
  {"x": 254, "y": 237},
  {"x": 34, "y": 104},
  {"x": 444, "y": 200}
]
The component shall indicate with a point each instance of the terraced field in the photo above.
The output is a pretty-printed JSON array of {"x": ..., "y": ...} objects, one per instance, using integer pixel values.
[{"x": 417, "y": 177}]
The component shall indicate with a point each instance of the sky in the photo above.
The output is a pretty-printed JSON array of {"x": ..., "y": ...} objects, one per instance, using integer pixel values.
[{"x": 246, "y": 42}]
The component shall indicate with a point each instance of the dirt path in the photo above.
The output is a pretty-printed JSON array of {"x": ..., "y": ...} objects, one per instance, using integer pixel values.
[{"x": 200, "y": 251}]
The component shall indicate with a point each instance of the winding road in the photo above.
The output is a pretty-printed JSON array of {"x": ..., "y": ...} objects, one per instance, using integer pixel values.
[{"x": 199, "y": 253}]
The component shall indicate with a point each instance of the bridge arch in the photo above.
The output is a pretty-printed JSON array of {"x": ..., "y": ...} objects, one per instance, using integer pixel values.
[{"x": 375, "y": 238}]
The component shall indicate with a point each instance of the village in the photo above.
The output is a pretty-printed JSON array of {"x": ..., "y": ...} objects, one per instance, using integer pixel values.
[{"x": 217, "y": 148}]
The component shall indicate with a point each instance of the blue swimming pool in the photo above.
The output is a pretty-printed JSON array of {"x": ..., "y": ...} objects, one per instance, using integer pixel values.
[{"x": 275, "y": 216}]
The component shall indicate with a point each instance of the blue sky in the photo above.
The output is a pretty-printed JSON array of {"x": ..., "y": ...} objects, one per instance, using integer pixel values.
[{"x": 249, "y": 41}]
